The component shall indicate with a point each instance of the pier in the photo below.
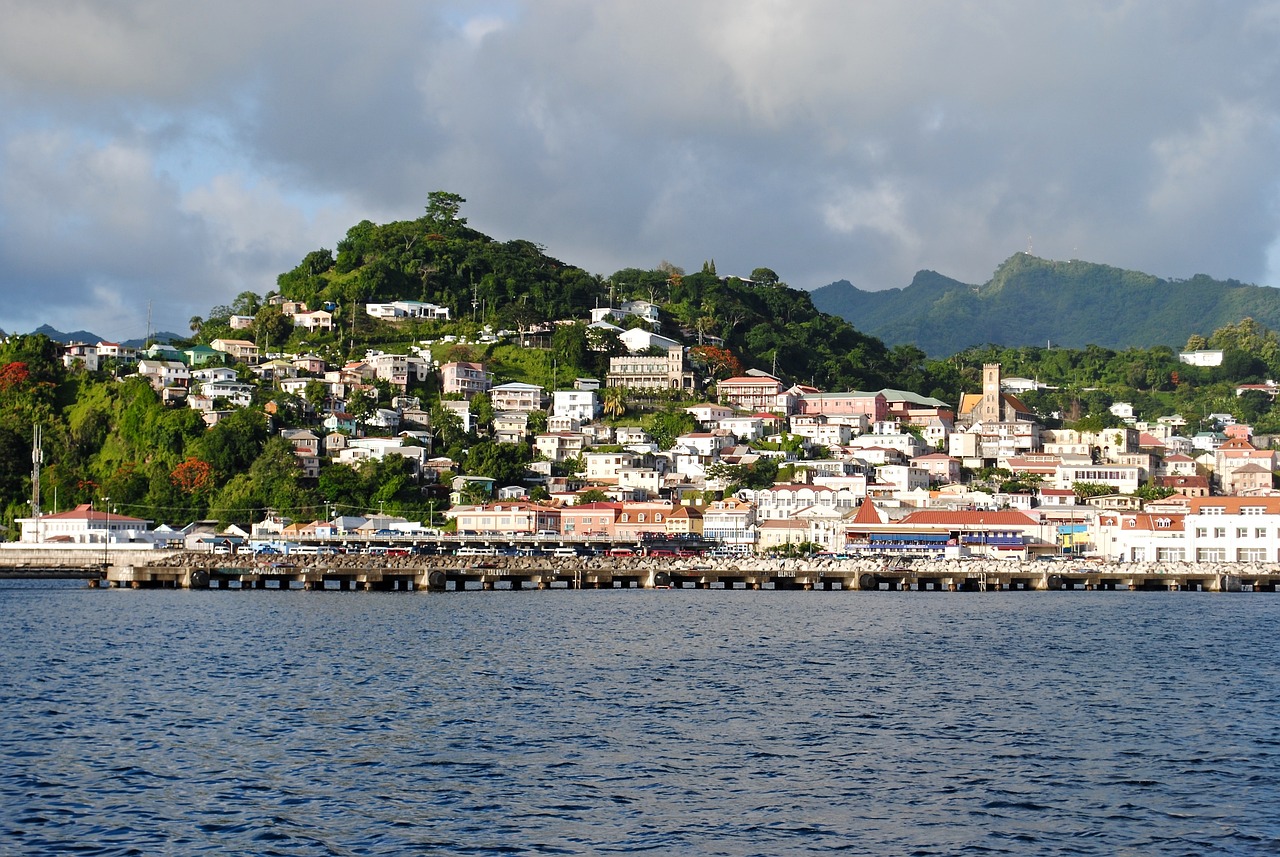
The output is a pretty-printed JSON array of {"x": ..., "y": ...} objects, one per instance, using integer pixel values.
[{"x": 455, "y": 574}]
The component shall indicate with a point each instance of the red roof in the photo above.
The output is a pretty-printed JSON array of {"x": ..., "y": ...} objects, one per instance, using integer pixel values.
[
  {"x": 86, "y": 512},
  {"x": 747, "y": 379},
  {"x": 867, "y": 514},
  {"x": 968, "y": 518}
]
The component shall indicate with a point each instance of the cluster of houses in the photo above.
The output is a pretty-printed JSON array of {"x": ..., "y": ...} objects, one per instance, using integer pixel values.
[{"x": 865, "y": 471}]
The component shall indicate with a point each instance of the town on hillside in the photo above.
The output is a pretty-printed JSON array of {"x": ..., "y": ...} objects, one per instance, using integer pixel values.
[{"x": 747, "y": 464}]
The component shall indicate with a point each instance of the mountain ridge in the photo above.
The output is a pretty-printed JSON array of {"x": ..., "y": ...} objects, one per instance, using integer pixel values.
[{"x": 1030, "y": 301}]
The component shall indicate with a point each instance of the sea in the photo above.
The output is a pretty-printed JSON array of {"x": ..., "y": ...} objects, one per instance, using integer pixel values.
[{"x": 704, "y": 722}]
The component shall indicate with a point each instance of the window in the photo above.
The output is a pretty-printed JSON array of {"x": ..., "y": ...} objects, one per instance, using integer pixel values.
[
  {"x": 1251, "y": 555},
  {"x": 1202, "y": 532},
  {"x": 1242, "y": 532},
  {"x": 1219, "y": 532},
  {"x": 1251, "y": 510},
  {"x": 1211, "y": 555},
  {"x": 1260, "y": 533},
  {"x": 1212, "y": 510}
]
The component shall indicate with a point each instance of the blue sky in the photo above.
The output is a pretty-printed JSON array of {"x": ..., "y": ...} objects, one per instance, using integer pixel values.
[{"x": 176, "y": 154}]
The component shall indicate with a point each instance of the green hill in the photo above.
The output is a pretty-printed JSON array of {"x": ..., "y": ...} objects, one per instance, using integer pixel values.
[
  {"x": 439, "y": 259},
  {"x": 1031, "y": 301}
]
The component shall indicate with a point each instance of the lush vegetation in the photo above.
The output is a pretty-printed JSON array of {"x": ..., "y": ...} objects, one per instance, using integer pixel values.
[{"x": 1033, "y": 301}]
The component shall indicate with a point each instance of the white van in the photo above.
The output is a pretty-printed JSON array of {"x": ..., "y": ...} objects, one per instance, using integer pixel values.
[{"x": 476, "y": 551}]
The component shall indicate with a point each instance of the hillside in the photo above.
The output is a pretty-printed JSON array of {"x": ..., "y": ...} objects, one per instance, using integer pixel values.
[
  {"x": 1032, "y": 301},
  {"x": 514, "y": 285}
]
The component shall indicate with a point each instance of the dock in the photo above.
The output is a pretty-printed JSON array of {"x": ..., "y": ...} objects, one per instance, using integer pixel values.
[{"x": 455, "y": 574}]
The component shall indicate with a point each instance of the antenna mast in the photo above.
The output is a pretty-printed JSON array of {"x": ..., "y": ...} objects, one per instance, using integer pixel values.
[{"x": 37, "y": 458}]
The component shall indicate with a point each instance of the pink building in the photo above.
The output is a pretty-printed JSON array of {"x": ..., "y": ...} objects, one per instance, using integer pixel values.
[
  {"x": 874, "y": 406},
  {"x": 750, "y": 393},
  {"x": 589, "y": 519},
  {"x": 941, "y": 467},
  {"x": 465, "y": 378},
  {"x": 517, "y": 517}
]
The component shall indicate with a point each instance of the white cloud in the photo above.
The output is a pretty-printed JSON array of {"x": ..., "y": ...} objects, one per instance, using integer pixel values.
[{"x": 173, "y": 152}]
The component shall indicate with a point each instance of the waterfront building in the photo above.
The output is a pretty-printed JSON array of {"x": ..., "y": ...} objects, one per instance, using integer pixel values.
[
  {"x": 515, "y": 518},
  {"x": 1233, "y": 529},
  {"x": 85, "y": 525}
]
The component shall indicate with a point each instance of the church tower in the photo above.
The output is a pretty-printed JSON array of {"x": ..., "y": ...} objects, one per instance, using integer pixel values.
[{"x": 990, "y": 410}]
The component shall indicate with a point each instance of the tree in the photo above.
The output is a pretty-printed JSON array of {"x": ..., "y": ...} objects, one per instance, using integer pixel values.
[
  {"x": 192, "y": 475},
  {"x": 1085, "y": 490},
  {"x": 591, "y": 495},
  {"x": 246, "y": 303},
  {"x": 759, "y": 474},
  {"x": 537, "y": 422},
  {"x": 315, "y": 393},
  {"x": 665, "y": 426},
  {"x": 443, "y": 208},
  {"x": 502, "y": 462},
  {"x": 271, "y": 325},
  {"x": 482, "y": 410},
  {"x": 570, "y": 346},
  {"x": 717, "y": 362},
  {"x": 764, "y": 277},
  {"x": 361, "y": 403},
  {"x": 613, "y": 402}
]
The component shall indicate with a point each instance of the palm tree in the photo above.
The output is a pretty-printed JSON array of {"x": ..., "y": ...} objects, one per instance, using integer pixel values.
[
  {"x": 195, "y": 323},
  {"x": 615, "y": 402}
]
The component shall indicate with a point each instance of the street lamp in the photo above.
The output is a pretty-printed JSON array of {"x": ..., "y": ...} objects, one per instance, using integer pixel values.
[{"x": 106, "y": 536}]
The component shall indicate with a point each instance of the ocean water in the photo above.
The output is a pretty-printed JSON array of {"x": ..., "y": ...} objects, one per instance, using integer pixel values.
[{"x": 637, "y": 722}]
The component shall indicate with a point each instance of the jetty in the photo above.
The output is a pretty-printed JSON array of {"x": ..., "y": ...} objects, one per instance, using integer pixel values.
[{"x": 191, "y": 570}]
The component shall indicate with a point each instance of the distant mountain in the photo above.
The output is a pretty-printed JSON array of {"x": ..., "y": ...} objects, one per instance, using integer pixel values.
[
  {"x": 74, "y": 336},
  {"x": 86, "y": 336},
  {"x": 1031, "y": 301}
]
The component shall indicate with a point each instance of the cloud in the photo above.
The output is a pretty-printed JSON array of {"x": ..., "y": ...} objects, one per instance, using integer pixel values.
[{"x": 170, "y": 153}]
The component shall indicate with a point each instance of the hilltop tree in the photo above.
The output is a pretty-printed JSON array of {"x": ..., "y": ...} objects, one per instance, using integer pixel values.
[{"x": 443, "y": 208}]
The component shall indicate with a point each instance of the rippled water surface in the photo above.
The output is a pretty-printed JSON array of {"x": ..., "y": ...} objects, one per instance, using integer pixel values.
[{"x": 676, "y": 722}]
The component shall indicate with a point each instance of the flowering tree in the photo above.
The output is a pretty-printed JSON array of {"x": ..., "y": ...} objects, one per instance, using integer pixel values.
[{"x": 192, "y": 475}]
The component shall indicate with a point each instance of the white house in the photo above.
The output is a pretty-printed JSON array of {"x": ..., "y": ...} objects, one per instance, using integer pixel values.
[
  {"x": 582, "y": 405},
  {"x": 640, "y": 339},
  {"x": 85, "y": 525},
  {"x": 516, "y": 396}
]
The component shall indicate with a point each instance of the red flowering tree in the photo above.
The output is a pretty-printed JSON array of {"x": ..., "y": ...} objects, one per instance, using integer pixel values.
[
  {"x": 192, "y": 475},
  {"x": 718, "y": 362},
  {"x": 13, "y": 376}
]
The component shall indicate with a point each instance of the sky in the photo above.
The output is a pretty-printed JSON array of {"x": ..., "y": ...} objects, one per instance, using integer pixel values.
[{"x": 161, "y": 157}]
